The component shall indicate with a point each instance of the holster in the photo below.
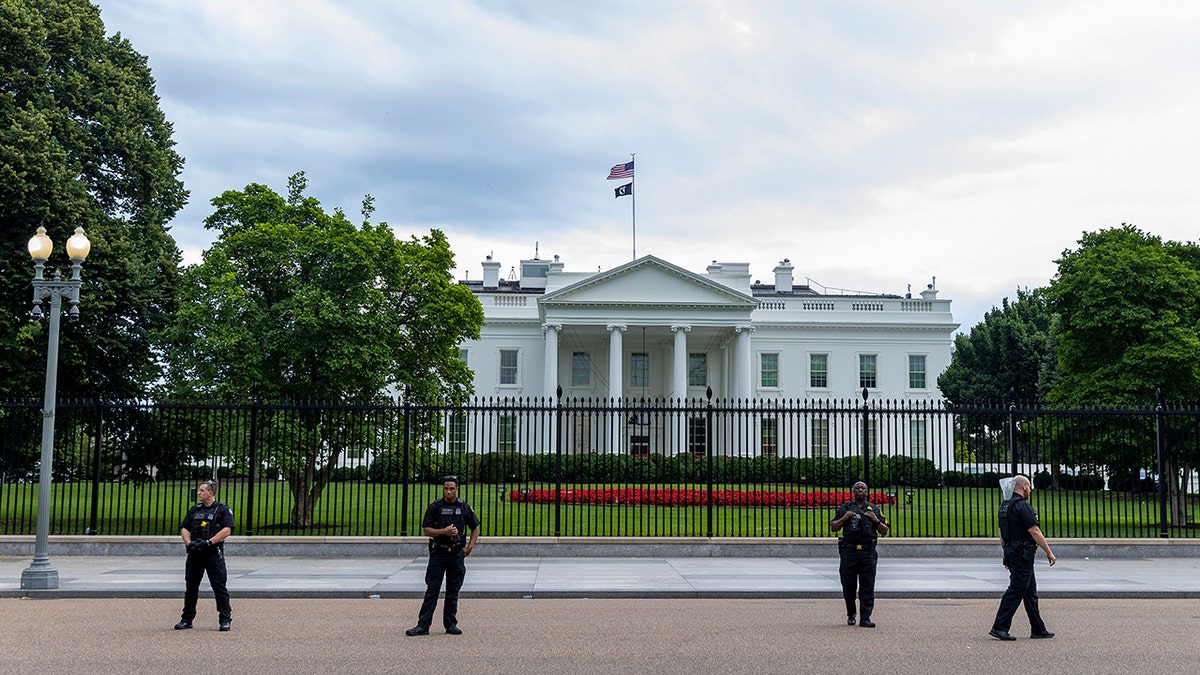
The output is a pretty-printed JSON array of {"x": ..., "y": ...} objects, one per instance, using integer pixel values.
[
  {"x": 1025, "y": 550},
  {"x": 435, "y": 547}
]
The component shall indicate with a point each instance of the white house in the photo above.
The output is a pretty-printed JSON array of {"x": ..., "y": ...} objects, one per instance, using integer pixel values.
[{"x": 649, "y": 329}]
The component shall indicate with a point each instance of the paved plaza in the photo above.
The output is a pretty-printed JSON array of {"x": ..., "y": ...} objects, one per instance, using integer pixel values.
[
  {"x": 611, "y": 577},
  {"x": 597, "y": 635},
  {"x": 598, "y": 615}
]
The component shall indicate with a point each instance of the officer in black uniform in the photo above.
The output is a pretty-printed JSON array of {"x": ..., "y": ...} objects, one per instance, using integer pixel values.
[
  {"x": 445, "y": 523},
  {"x": 861, "y": 523},
  {"x": 204, "y": 530},
  {"x": 1021, "y": 535}
]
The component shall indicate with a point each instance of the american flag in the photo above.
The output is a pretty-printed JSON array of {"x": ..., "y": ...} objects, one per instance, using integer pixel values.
[{"x": 621, "y": 171}]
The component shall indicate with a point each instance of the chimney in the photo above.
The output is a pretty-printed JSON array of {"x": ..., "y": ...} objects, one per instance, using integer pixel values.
[
  {"x": 930, "y": 292},
  {"x": 491, "y": 274},
  {"x": 783, "y": 277}
]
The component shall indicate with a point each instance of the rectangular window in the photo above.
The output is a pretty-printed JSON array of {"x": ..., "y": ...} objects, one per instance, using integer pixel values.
[
  {"x": 872, "y": 438},
  {"x": 506, "y": 433},
  {"x": 581, "y": 441},
  {"x": 867, "y": 371},
  {"x": 769, "y": 372},
  {"x": 508, "y": 366},
  {"x": 820, "y": 437},
  {"x": 581, "y": 369},
  {"x": 916, "y": 371},
  {"x": 818, "y": 371},
  {"x": 639, "y": 445},
  {"x": 769, "y": 435},
  {"x": 697, "y": 370},
  {"x": 456, "y": 433},
  {"x": 916, "y": 437},
  {"x": 697, "y": 436},
  {"x": 639, "y": 370},
  {"x": 462, "y": 355}
]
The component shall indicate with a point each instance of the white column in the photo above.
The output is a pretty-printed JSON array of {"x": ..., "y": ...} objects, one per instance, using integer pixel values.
[
  {"x": 681, "y": 361},
  {"x": 615, "y": 359},
  {"x": 745, "y": 370},
  {"x": 615, "y": 385},
  {"x": 725, "y": 383},
  {"x": 680, "y": 384},
  {"x": 549, "y": 433},
  {"x": 550, "y": 381}
]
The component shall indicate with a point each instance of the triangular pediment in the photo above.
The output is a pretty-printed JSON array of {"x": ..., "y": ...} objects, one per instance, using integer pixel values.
[{"x": 648, "y": 282}]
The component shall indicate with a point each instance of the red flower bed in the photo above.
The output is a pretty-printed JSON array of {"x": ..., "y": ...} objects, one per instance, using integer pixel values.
[{"x": 694, "y": 497}]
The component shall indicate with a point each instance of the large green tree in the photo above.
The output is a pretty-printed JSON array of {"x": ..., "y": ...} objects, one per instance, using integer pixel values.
[
  {"x": 1007, "y": 356},
  {"x": 84, "y": 142},
  {"x": 1128, "y": 306},
  {"x": 297, "y": 303}
]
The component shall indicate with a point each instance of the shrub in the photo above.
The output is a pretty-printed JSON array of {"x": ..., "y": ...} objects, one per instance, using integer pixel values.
[
  {"x": 500, "y": 467},
  {"x": 826, "y": 471},
  {"x": 913, "y": 471},
  {"x": 684, "y": 468},
  {"x": 1043, "y": 480},
  {"x": 1132, "y": 481},
  {"x": 988, "y": 479},
  {"x": 342, "y": 474},
  {"x": 388, "y": 467}
]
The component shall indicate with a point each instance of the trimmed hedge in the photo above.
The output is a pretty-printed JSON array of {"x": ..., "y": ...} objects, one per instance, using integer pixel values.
[
  {"x": 1042, "y": 480},
  {"x": 686, "y": 468},
  {"x": 499, "y": 467},
  {"x": 989, "y": 479}
]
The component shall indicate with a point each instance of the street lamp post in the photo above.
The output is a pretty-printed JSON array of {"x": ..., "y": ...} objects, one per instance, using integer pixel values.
[{"x": 41, "y": 574}]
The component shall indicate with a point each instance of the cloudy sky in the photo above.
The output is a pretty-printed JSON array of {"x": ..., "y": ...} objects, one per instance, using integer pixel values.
[{"x": 874, "y": 143}]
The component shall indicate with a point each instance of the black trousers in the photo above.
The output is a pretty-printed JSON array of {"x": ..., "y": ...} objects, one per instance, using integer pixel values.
[
  {"x": 857, "y": 570},
  {"x": 1022, "y": 587},
  {"x": 212, "y": 562},
  {"x": 453, "y": 567}
]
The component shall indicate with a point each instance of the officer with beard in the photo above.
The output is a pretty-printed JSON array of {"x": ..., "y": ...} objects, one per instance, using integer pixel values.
[
  {"x": 204, "y": 530},
  {"x": 861, "y": 523}
]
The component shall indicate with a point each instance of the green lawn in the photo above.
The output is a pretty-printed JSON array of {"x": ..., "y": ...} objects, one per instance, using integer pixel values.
[{"x": 355, "y": 509}]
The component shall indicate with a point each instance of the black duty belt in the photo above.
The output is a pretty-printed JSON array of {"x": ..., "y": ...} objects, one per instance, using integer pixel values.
[
  {"x": 856, "y": 546},
  {"x": 435, "y": 547}
]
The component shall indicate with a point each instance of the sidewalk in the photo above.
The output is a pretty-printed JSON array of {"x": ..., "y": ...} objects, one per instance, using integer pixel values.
[{"x": 609, "y": 577}]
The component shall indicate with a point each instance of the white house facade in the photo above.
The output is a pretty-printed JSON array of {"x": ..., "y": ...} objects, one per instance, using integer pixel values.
[{"x": 651, "y": 330}]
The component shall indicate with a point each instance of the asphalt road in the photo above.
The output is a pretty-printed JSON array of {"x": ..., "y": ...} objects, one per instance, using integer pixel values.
[{"x": 594, "y": 636}]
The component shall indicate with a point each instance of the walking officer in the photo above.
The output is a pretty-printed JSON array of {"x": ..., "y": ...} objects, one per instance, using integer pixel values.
[
  {"x": 1021, "y": 535},
  {"x": 204, "y": 530},
  {"x": 445, "y": 523},
  {"x": 861, "y": 523}
]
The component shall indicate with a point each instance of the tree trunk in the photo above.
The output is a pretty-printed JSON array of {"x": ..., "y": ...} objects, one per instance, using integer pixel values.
[
  {"x": 307, "y": 482},
  {"x": 1176, "y": 491}
]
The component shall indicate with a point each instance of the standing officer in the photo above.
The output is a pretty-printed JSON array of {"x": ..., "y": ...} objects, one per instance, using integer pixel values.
[
  {"x": 445, "y": 523},
  {"x": 863, "y": 523},
  {"x": 204, "y": 530},
  {"x": 1021, "y": 536}
]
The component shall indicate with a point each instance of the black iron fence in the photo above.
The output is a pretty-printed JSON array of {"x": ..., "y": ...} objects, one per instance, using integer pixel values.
[{"x": 767, "y": 468}]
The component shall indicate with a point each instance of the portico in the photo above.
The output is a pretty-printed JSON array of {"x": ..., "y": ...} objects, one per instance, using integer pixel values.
[{"x": 648, "y": 319}]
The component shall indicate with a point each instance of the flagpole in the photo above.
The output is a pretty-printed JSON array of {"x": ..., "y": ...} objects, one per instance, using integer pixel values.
[{"x": 632, "y": 180}]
